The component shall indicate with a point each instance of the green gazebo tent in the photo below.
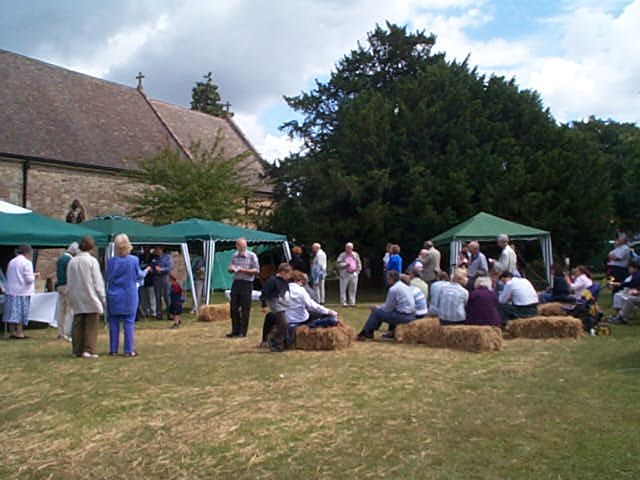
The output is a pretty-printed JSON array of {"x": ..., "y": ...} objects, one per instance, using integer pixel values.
[
  {"x": 137, "y": 232},
  {"x": 19, "y": 225},
  {"x": 486, "y": 227},
  {"x": 141, "y": 233},
  {"x": 211, "y": 232}
]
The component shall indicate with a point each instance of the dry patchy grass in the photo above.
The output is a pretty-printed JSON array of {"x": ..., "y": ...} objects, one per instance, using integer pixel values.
[{"x": 198, "y": 405}]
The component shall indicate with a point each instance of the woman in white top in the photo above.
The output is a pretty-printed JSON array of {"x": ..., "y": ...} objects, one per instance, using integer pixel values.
[
  {"x": 20, "y": 286},
  {"x": 582, "y": 281}
]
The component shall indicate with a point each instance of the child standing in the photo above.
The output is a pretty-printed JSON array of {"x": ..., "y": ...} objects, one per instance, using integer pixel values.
[{"x": 176, "y": 301}]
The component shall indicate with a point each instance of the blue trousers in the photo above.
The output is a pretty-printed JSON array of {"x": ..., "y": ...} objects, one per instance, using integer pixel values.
[
  {"x": 128, "y": 324},
  {"x": 378, "y": 316}
]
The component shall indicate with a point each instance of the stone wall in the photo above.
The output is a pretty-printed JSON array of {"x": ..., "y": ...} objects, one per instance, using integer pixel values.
[
  {"x": 51, "y": 189},
  {"x": 11, "y": 182}
]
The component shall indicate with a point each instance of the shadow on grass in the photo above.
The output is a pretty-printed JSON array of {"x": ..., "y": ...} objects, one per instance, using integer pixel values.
[{"x": 627, "y": 363}]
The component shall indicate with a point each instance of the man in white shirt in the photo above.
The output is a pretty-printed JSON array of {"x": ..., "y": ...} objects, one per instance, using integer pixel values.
[
  {"x": 518, "y": 299},
  {"x": 508, "y": 259},
  {"x": 318, "y": 271},
  {"x": 301, "y": 307}
]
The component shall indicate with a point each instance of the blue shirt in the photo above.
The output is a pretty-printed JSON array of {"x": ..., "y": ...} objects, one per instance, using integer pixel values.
[
  {"x": 400, "y": 299},
  {"x": 165, "y": 262},
  {"x": 123, "y": 274},
  {"x": 394, "y": 263}
]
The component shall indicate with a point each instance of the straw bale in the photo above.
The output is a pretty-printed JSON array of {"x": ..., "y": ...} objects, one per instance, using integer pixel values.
[
  {"x": 472, "y": 338},
  {"x": 553, "y": 309},
  {"x": 546, "y": 327},
  {"x": 214, "y": 313},
  {"x": 331, "y": 338},
  {"x": 424, "y": 330}
]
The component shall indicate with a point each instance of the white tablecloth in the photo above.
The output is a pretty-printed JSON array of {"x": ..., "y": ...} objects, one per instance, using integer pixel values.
[
  {"x": 43, "y": 308},
  {"x": 255, "y": 295}
]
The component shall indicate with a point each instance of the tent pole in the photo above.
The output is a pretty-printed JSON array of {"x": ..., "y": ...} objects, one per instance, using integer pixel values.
[
  {"x": 212, "y": 256},
  {"x": 109, "y": 252},
  {"x": 187, "y": 260},
  {"x": 205, "y": 254},
  {"x": 454, "y": 250},
  {"x": 287, "y": 252},
  {"x": 549, "y": 260}
]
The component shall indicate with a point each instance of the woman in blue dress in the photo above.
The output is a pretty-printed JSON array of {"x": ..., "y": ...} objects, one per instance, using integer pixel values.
[{"x": 123, "y": 277}]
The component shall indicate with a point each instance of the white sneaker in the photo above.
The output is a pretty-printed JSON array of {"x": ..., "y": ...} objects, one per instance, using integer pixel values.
[{"x": 89, "y": 355}]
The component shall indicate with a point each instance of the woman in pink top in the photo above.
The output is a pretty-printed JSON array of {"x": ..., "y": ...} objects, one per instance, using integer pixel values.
[{"x": 20, "y": 286}]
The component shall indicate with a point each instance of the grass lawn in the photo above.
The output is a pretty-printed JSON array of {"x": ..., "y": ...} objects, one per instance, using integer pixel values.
[{"x": 198, "y": 405}]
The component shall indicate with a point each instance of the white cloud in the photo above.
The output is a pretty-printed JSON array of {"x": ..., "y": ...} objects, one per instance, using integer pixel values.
[
  {"x": 596, "y": 70},
  {"x": 271, "y": 147},
  {"x": 116, "y": 50},
  {"x": 599, "y": 70},
  {"x": 276, "y": 147}
]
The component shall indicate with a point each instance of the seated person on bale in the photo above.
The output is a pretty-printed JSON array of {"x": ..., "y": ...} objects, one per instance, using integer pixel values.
[
  {"x": 304, "y": 309},
  {"x": 581, "y": 281},
  {"x": 482, "y": 307},
  {"x": 416, "y": 281},
  {"x": 275, "y": 299},
  {"x": 632, "y": 281},
  {"x": 419, "y": 297},
  {"x": 630, "y": 287},
  {"x": 452, "y": 299},
  {"x": 631, "y": 301},
  {"x": 559, "y": 291},
  {"x": 399, "y": 307},
  {"x": 434, "y": 295},
  {"x": 518, "y": 299}
]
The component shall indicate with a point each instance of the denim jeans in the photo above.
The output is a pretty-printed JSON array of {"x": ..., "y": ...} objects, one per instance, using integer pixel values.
[{"x": 379, "y": 316}]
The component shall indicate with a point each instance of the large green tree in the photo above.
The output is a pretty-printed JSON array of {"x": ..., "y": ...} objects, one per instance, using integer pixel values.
[
  {"x": 206, "y": 98},
  {"x": 620, "y": 142},
  {"x": 402, "y": 144},
  {"x": 210, "y": 185}
]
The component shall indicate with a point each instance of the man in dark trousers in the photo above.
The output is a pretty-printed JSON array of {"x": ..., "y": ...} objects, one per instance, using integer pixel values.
[
  {"x": 244, "y": 266},
  {"x": 276, "y": 299},
  {"x": 161, "y": 268}
]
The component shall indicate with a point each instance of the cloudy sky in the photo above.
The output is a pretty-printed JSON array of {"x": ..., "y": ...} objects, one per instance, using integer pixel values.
[{"x": 583, "y": 56}]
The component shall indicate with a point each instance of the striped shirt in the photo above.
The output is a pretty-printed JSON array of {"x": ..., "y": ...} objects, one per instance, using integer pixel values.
[
  {"x": 451, "y": 302},
  {"x": 420, "y": 301},
  {"x": 247, "y": 260}
]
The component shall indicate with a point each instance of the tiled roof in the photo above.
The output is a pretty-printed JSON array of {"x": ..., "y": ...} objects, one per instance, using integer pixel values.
[
  {"x": 192, "y": 127},
  {"x": 53, "y": 113}
]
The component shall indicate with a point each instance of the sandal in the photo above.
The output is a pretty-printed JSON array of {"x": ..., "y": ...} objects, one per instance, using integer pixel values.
[{"x": 131, "y": 354}]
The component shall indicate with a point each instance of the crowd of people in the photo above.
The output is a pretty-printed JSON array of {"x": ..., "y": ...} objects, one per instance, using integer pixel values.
[
  {"x": 480, "y": 290},
  {"x": 85, "y": 293}
]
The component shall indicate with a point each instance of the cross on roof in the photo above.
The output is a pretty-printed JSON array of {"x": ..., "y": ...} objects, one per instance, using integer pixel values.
[
  {"x": 139, "y": 77},
  {"x": 227, "y": 106}
]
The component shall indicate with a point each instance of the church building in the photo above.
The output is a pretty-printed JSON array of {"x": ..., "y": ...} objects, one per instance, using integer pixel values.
[{"x": 66, "y": 138}]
